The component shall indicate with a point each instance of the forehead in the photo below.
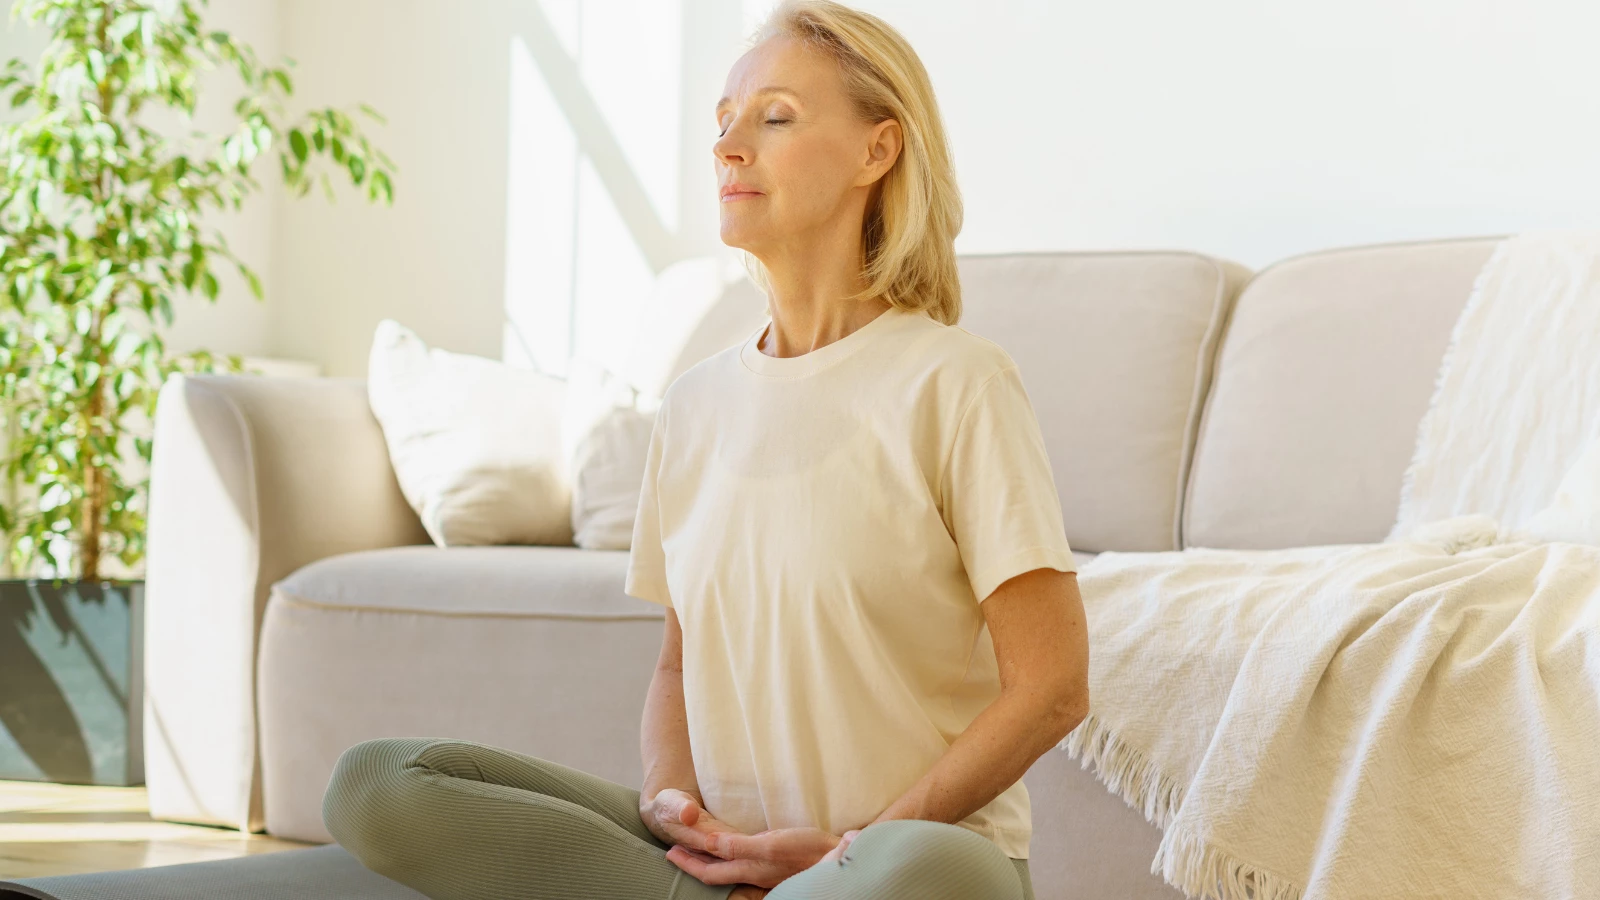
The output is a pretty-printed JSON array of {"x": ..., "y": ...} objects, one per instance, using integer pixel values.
[{"x": 782, "y": 62}]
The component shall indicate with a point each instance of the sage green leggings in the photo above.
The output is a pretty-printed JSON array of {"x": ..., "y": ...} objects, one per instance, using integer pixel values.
[{"x": 458, "y": 820}]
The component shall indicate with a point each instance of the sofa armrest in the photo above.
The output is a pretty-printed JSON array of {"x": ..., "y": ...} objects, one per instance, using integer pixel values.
[{"x": 251, "y": 478}]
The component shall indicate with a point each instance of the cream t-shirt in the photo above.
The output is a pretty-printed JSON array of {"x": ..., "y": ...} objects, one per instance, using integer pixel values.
[{"x": 825, "y": 526}]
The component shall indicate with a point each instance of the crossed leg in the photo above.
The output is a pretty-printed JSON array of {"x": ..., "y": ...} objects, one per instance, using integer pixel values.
[{"x": 460, "y": 820}]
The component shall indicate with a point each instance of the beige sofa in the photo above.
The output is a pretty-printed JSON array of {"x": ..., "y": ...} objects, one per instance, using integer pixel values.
[{"x": 296, "y": 608}]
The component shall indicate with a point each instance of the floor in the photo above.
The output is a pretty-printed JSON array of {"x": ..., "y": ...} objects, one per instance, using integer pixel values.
[{"x": 67, "y": 829}]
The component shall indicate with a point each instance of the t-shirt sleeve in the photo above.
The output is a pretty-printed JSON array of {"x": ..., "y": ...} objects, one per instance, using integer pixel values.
[
  {"x": 1000, "y": 500},
  {"x": 647, "y": 562}
]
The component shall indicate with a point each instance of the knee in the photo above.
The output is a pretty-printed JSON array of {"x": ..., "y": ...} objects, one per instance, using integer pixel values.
[
  {"x": 923, "y": 841},
  {"x": 365, "y": 792},
  {"x": 939, "y": 854}
]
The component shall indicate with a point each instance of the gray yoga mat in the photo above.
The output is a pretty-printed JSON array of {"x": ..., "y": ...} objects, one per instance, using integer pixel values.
[{"x": 327, "y": 872}]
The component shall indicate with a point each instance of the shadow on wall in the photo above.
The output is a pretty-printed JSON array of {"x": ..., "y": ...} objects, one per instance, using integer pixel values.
[{"x": 70, "y": 704}]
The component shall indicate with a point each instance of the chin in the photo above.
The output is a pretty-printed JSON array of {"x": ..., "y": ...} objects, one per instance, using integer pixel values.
[{"x": 740, "y": 237}]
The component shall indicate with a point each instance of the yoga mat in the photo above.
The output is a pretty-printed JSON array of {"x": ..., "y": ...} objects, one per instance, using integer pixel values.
[{"x": 327, "y": 872}]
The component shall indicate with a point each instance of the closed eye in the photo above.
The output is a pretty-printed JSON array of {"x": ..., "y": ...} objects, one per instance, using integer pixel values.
[{"x": 769, "y": 122}]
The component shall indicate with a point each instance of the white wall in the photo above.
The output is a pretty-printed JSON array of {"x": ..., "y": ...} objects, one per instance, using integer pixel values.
[
  {"x": 555, "y": 153},
  {"x": 1254, "y": 129},
  {"x": 543, "y": 172}
]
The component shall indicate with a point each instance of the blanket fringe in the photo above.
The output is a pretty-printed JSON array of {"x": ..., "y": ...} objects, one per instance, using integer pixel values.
[
  {"x": 1126, "y": 771},
  {"x": 1201, "y": 870},
  {"x": 1187, "y": 863}
]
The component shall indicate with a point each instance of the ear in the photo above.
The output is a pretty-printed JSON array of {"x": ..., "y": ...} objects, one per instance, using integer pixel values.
[{"x": 883, "y": 148}]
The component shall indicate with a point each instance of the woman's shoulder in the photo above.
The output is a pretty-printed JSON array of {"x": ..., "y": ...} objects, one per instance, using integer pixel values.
[
  {"x": 706, "y": 377},
  {"x": 964, "y": 353}
]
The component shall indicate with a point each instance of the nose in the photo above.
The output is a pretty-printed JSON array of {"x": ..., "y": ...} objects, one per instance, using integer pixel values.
[{"x": 731, "y": 148}]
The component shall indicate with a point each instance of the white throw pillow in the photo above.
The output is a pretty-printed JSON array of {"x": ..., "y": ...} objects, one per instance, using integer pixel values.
[
  {"x": 1573, "y": 516},
  {"x": 475, "y": 443},
  {"x": 606, "y": 435}
]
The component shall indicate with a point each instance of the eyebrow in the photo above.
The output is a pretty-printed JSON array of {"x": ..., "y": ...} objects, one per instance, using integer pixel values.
[{"x": 769, "y": 89}]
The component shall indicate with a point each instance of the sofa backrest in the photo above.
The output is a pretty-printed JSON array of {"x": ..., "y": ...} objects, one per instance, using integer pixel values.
[
  {"x": 1326, "y": 368},
  {"x": 1115, "y": 351}
]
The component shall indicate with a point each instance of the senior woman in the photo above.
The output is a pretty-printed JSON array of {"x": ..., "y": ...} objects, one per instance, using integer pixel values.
[{"x": 873, "y": 625}]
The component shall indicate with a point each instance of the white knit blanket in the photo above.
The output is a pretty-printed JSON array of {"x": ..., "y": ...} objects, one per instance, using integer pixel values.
[
  {"x": 1518, "y": 394},
  {"x": 1413, "y": 718}
]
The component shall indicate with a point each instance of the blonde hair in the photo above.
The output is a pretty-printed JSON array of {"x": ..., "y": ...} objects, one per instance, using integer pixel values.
[{"x": 908, "y": 236}]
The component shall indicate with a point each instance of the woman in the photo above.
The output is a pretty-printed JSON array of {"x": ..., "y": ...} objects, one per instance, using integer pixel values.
[{"x": 873, "y": 625}]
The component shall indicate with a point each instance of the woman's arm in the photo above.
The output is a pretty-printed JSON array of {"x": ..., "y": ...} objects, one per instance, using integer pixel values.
[
  {"x": 664, "y": 732},
  {"x": 1041, "y": 643}
]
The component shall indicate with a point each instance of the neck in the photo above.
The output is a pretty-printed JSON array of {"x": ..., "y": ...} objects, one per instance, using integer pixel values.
[{"x": 810, "y": 282}]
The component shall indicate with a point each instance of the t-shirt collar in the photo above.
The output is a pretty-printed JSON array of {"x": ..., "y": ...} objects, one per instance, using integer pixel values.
[{"x": 808, "y": 363}]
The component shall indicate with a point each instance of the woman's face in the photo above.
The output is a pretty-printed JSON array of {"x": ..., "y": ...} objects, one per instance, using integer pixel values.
[{"x": 793, "y": 157}]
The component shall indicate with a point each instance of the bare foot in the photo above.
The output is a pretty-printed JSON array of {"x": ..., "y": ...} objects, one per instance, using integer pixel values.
[{"x": 747, "y": 892}]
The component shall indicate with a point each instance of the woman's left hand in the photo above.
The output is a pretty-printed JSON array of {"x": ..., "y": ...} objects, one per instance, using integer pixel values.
[{"x": 763, "y": 859}]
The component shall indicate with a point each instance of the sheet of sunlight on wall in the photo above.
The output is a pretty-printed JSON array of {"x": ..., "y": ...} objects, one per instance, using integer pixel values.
[
  {"x": 631, "y": 63},
  {"x": 541, "y": 193},
  {"x": 756, "y": 12},
  {"x": 614, "y": 279},
  {"x": 566, "y": 20}
]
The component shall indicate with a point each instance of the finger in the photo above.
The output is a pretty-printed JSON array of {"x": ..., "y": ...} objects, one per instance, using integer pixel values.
[
  {"x": 701, "y": 855},
  {"x": 716, "y": 871},
  {"x": 674, "y": 804},
  {"x": 732, "y": 845},
  {"x": 663, "y": 807},
  {"x": 836, "y": 855},
  {"x": 689, "y": 836}
]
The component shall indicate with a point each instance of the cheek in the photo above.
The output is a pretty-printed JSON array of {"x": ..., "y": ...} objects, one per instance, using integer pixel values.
[{"x": 812, "y": 177}]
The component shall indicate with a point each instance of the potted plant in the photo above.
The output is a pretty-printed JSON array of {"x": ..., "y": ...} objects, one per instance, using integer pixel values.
[{"x": 102, "y": 225}]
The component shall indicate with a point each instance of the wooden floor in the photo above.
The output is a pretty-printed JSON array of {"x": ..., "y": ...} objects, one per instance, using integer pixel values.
[{"x": 66, "y": 829}]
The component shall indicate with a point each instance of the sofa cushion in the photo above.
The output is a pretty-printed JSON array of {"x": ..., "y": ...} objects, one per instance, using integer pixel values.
[
  {"x": 531, "y": 648},
  {"x": 1324, "y": 374},
  {"x": 566, "y": 582},
  {"x": 1115, "y": 350}
]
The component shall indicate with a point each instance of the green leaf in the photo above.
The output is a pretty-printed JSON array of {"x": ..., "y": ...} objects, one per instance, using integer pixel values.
[
  {"x": 102, "y": 290},
  {"x": 252, "y": 280},
  {"x": 102, "y": 221}
]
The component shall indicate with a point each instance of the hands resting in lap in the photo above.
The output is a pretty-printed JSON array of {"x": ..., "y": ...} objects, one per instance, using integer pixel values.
[{"x": 717, "y": 853}]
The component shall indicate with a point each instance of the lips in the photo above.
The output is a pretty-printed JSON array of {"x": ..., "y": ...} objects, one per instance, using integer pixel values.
[{"x": 737, "y": 191}]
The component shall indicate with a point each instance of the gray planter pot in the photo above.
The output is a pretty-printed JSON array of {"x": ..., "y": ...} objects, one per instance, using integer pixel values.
[{"x": 72, "y": 681}]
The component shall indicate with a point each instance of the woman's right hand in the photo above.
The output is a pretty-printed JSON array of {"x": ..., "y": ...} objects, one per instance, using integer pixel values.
[{"x": 676, "y": 817}]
